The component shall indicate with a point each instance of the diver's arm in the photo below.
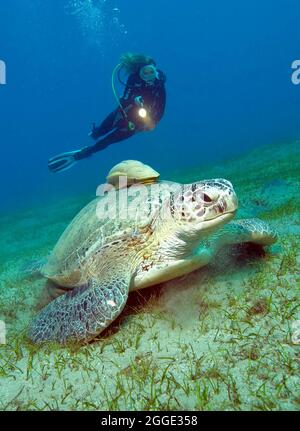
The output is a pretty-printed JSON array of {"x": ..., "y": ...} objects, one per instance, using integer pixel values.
[
  {"x": 159, "y": 95},
  {"x": 159, "y": 104}
]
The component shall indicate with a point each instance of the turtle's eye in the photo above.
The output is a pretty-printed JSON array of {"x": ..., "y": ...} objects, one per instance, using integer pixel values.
[{"x": 206, "y": 198}]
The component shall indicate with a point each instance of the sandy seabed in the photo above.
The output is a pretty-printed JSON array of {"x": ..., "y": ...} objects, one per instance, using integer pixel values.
[{"x": 226, "y": 337}]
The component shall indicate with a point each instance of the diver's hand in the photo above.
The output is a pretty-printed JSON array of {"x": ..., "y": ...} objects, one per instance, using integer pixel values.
[{"x": 138, "y": 100}]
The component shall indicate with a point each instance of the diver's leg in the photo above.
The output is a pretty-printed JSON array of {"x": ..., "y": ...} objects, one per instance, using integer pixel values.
[
  {"x": 117, "y": 135},
  {"x": 113, "y": 137},
  {"x": 107, "y": 124},
  {"x": 116, "y": 129}
]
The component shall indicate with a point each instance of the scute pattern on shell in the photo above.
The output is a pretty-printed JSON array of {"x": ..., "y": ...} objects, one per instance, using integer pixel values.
[{"x": 89, "y": 233}]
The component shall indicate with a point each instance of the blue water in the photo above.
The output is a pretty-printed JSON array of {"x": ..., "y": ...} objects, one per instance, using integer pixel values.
[{"x": 228, "y": 66}]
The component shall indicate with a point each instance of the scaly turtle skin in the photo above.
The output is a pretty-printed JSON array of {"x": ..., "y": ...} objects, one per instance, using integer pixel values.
[{"x": 135, "y": 238}]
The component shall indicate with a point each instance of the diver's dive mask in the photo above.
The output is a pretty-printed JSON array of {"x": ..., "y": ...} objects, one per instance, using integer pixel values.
[{"x": 148, "y": 73}]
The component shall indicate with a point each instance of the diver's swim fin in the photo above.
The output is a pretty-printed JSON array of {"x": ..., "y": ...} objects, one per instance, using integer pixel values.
[{"x": 63, "y": 161}]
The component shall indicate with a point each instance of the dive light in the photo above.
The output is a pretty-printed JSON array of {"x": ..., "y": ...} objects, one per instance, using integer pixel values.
[{"x": 142, "y": 113}]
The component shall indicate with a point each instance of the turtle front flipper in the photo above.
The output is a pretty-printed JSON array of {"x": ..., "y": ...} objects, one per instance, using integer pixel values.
[
  {"x": 241, "y": 231},
  {"x": 84, "y": 312}
]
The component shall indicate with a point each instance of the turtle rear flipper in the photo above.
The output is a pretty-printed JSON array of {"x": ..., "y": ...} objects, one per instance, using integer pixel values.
[{"x": 84, "y": 312}]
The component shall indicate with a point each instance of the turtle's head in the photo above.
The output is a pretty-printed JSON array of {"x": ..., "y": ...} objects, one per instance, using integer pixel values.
[{"x": 205, "y": 205}]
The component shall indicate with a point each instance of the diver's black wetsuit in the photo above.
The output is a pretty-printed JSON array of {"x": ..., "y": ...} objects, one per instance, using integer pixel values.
[{"x": 115, "y": 126}]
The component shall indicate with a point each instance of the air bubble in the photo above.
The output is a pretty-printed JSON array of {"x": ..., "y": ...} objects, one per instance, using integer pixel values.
[{"x": 99, "y": 24}]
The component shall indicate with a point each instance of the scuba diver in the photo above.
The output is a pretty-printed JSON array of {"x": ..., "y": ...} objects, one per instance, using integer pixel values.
[{"x": 140, "y": 109}]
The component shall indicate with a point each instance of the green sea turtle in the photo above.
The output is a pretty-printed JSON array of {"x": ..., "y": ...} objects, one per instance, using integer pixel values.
[{"x": 133, "y": 238}]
